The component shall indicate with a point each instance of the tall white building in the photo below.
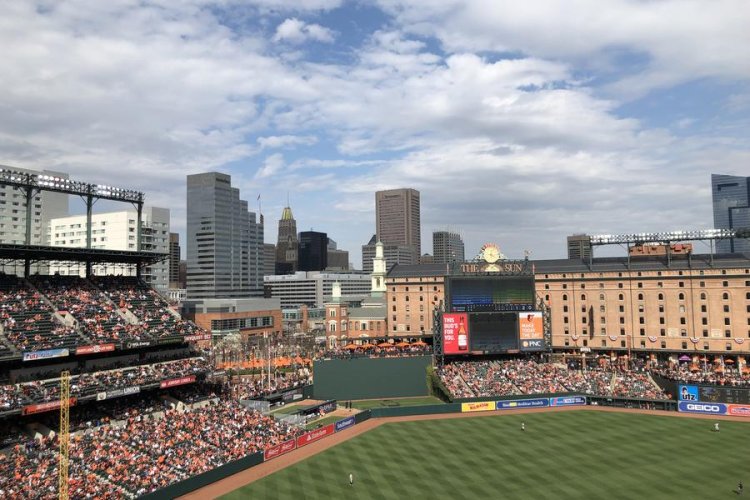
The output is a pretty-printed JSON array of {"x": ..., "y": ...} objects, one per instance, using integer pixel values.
[
  {"x": 47, "y": 205},
  {"x": 116, "y": 231}
]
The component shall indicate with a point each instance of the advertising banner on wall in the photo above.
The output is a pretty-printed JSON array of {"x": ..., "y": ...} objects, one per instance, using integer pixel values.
[
  {"x": 42, "y": 407},
  {"x": 455, "y": 333},
  {"x": 738, "y": 410},
  {"x": 523, "y": 403},
  {"x": 478, "y": 406},
  {"x": 312, "y": 436},
  {"x": 344, "y": 424},
  {"x": 47, "y": 354},
  {"x": 94, "y": 349},
  {"x": 279, "y": 449},
  {"x": 568, "y": 401},
  {"x": 704, "y": 408},
  {"x": 530, "y": 331},
  {"x": 177, "y": 381}
]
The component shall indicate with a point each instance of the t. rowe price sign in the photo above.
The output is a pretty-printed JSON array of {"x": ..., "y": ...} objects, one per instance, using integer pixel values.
[
  {"x": 312, "y": 436},
  {"x": 279, "y": 449},
  {"x": 455, "y": 333},
  {"x": 177, "y": 381}
]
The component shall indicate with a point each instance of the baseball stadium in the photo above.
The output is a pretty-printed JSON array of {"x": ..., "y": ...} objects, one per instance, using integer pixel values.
[{"x": 612, "y": 377}]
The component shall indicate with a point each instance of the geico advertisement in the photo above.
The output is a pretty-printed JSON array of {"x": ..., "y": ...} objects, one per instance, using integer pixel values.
[{"x": 704, "y": 408}]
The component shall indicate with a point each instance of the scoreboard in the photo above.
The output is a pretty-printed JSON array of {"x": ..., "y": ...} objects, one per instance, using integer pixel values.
[
  {"x": 490, "y": 314},
  {"x": 714, "y": 394}
]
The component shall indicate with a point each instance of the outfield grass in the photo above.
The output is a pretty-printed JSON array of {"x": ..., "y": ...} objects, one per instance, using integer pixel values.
[
  {"x": 287, "y": 409},
  {"x": 323, "y": 421},
  {"x": 368, "y": 404},
  {"x": 568, "y": 455}
]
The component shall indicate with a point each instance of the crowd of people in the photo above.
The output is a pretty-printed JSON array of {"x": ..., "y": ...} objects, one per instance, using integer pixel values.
[
  {"x": 117, "y": 309},
  {"x": 253, "y": 387},
  {"x": 531, "y": 376},
  {"x": 153, "y": 311},
  {"x": 704, "y": 374},
  {"x": 16, "y": 396},
  {"x": 148, "y": 452},
  {"x": 28, "y": 322},
  {"x": 382, "y": 350}
]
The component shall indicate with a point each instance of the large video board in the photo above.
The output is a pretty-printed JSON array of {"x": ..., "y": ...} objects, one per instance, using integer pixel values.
[{"x": 491, "y": 294}]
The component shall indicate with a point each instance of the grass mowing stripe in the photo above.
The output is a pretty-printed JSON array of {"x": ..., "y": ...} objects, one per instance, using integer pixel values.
[{"x": 568, "y": 455}]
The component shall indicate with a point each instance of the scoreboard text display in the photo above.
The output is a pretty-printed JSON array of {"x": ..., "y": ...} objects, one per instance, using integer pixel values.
[
  {"x": 714, "y": 394},
  {"x": 492, "y": 294}
]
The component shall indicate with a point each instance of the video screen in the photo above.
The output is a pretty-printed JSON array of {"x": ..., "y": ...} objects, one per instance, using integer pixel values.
[
  {"x": 492, "y": 294},
  {"x": 493, "y": 332}
]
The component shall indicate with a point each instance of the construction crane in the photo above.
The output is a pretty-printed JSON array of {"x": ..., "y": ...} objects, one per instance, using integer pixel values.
[{"x": 64, "y": 435}]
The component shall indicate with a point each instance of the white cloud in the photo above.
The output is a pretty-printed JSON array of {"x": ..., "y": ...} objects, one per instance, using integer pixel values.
[
  {"x": 294, "y": 31},
  {"x": 681, "y": 40},
  {"x": 285, "y": 141},
  {"x": 271, "y": 166}
]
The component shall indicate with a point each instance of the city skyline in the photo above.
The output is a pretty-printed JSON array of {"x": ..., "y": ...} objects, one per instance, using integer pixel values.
[{"x": 516, "y": 124}]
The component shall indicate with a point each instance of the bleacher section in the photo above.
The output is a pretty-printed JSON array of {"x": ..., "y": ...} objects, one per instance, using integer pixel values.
[{"x": 73, "y": 315}]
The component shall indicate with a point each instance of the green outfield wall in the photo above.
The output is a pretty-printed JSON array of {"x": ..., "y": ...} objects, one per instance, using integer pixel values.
[{"x": 371, "y": 378}]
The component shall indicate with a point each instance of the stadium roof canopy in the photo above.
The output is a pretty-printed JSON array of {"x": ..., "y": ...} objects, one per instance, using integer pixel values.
[{"x": 44, "y": 253}]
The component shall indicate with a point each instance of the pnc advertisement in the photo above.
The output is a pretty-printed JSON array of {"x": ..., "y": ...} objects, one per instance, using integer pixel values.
[
  {"x": 530, "y": 331},
  {"x": 455, "y": 333}
]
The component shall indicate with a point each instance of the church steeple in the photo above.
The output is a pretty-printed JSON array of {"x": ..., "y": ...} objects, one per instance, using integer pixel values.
[{"x": 377, "y": 287}]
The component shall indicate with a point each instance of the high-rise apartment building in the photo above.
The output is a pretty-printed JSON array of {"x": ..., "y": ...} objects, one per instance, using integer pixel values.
[
  {"x": 287, "y": 245},
  {"x": 579, "y": 246},
  {"x": 47, "y": 205},
  {"x": 313, "y": 251},
  {"x": 174, "y": 260},
  {"x": 731, "y": 197},
  {"x": 269, "y": 262},
  {"x": 224, "y": 240},
  {"x": 397, "y": 221},
  {"x": 447, "y": 247},
  {"x": 116, "y": 231}
]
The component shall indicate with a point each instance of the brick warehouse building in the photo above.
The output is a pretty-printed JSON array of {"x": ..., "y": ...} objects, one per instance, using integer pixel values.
[{"x": 695, "y": 304}]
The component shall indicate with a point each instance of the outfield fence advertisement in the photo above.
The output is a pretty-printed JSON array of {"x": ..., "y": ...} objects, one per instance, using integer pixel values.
[
  {"x": 345, "y": 423},
  {"x": 312, "y": 436},
  {"x": 568, "y": 401},
  {"x": 480, "y": 406},
  {"x": 279, "y": 449},
  {"x": 703, "y": 408},
  {"x": 523, "y": 403}
]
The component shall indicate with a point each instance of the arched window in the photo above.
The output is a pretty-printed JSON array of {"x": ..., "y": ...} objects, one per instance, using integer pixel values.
[
  {"x": 725, "y": 296},
  {"x": 640, "y": 296},
  {"x": 332, "y": 327},
  {"x": 583, "y": 296},
  {"x": 703, "y": 295},
  {"x": 681, "y": 296},
  {"x": 333, "y": 313},
  {"x": 621, "y": 297},
  {"x": 661, "y": 296},
  {"x": 601, "y": 296}
]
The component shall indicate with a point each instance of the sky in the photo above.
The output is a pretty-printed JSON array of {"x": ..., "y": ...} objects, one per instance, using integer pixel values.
[{"x": 519, "y": 122}]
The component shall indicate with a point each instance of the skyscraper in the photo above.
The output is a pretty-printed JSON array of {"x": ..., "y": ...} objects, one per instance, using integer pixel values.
[
  {"x": 397, "y": 220},
  {"x": 731, "y": 195},
  {"x": 447, "y": 247},
  {"x": 174, "y": 260},
  {"x": 313, "y": 251},
  {"x": 287, "y": 245},
  {"x": 224, "y": 240}
]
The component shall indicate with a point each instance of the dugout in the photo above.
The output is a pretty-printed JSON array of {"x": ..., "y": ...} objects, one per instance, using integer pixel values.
[{"x": 371, "y": 378}]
